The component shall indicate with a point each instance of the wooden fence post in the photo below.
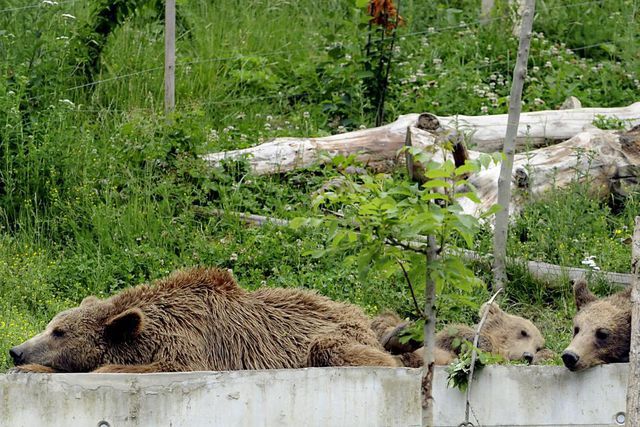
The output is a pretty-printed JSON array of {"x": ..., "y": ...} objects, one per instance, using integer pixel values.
[
  {"x": 504, "y": 182},
  {"x": 485, "y": 11},
  {"x": 169, "y": 56},
  {"x": 633, "y": 387}
]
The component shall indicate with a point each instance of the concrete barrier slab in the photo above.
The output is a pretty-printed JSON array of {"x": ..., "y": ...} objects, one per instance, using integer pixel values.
[
  {"x": 534, "y": 396},
  {"x": 297, "y": 397}
]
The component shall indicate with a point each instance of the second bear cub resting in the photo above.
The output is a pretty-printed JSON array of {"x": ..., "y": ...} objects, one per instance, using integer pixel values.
[{"x": 512, "y": 337}]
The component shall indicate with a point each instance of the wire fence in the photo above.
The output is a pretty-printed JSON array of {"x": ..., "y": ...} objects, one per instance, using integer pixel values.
[
  {"x": 44, "y": 3},
  {"x": 288, "y": 50}
]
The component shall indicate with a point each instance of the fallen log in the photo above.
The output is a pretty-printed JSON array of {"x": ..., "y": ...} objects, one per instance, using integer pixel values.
[
  {"x": 608, "y": 161},
  {"x": 378, "y": 147}
]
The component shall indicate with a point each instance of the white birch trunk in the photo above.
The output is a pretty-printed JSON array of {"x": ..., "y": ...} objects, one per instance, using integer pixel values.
[{"x": 504, "y": 181}]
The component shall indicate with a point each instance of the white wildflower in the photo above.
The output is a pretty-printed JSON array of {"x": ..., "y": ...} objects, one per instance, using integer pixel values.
[
  {"x": 589, "y": 261},
  {"x": 67, "y": 102}
]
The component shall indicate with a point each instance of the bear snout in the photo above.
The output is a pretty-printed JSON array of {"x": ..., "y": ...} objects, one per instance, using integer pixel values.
[
  {"x": 17, "y": 356},
  {"x": 528, "y": 357},
  {"x": 570, "y": 359}
]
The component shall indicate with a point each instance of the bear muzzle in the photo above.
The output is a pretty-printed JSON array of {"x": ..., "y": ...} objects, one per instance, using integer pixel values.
[
  {"x": 528, "y": 357},
  {"x": 570, "y": 360},
  {"x": 17, "y": 355}
]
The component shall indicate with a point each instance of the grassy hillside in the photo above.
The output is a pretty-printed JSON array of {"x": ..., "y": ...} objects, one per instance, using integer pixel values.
[{"x": 98, "y": 192}]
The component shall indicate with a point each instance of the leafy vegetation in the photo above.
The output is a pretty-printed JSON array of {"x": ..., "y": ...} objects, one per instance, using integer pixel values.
[{"x": 99, "y": 192}]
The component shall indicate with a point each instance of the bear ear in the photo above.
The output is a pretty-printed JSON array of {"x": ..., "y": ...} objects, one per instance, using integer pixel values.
[
  {"x": 125, "y": 326},
  {"x": 90, "y": 300},
  {"x": 582, "y": 294},
  {"x": 494, "y": 309}
]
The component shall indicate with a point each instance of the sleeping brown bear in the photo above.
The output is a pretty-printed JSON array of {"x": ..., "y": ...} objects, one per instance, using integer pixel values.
[
  {"x": 601, "y": 329},
  {"x": 512, "y": 337},
  {"x": 200, "y": 319}
]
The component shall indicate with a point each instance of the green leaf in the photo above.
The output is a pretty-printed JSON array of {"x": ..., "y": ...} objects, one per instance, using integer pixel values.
[
  {"x": 297, "y": 223},
  {"x": 495, "y": 208},
  {"x": 469, "y": 195},
  {"x": 434, "y": 196},
  {"x": 437, "y": 173},
  {"x": 437, "y": 183},
  {"x": 364, "y": 262},
  {"x": 361, "y": 75},
  {"x": 610, "y": 48},
  {"x": 417, "y": 274},
  {"x": 468, "y": 167},
  {"x": 360, "y": 4},
  {"x": 316, "y": 254}
]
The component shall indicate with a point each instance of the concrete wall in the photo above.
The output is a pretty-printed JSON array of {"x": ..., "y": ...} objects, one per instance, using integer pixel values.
[
  {"x": 302, "y": 397},
  {"x": 537, "y": 396},
  {"x": 502, "y": 396}
]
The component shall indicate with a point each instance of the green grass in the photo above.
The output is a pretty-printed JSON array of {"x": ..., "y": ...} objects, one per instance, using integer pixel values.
[{"x": 98, "y": 192}]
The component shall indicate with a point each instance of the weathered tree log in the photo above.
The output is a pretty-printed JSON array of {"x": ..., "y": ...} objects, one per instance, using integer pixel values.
[
  {"x": 608, "y": 160},
  {"x": 379, "y": 146}
]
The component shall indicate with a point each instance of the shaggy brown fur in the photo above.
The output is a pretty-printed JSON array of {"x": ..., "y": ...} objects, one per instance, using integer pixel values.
[
  {"x": 388, "y": 328},
  {"x": 200, "y": 319},
  {"x": 601, "y": 329},
  {"x": 512, "y": 337}
]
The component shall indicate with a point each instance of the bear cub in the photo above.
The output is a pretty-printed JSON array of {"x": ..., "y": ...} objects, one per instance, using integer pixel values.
[
  {"x": 601, "y": 329},
  {"x": 512, "y": 337}
]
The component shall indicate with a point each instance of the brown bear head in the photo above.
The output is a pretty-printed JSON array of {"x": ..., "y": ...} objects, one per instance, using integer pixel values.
[
  {"x": 601, "y": 329},
  {"x": 78, "y": 339},
  {"x": 513, "y": 337}
]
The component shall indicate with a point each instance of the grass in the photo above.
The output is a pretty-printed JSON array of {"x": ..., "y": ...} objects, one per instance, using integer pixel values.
[{"x": 98, "y": 192}]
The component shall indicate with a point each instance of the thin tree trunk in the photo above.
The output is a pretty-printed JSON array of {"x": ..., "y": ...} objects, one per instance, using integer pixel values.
[
  {"x": 504, "y": 182},
  {"x": 485, "y": 11},
  {"x": 633, "y": 388},
  {"x": 170, "y": 56},
  {"x": 429, "y": 337}
]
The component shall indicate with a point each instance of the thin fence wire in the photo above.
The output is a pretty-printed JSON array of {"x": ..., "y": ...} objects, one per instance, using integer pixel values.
[
  {"x": 243, "y": 56},
  {"x": 479, "y": 22},
  {"x": 45, "y": 3},
  {"x": 283, "y": 50}
]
